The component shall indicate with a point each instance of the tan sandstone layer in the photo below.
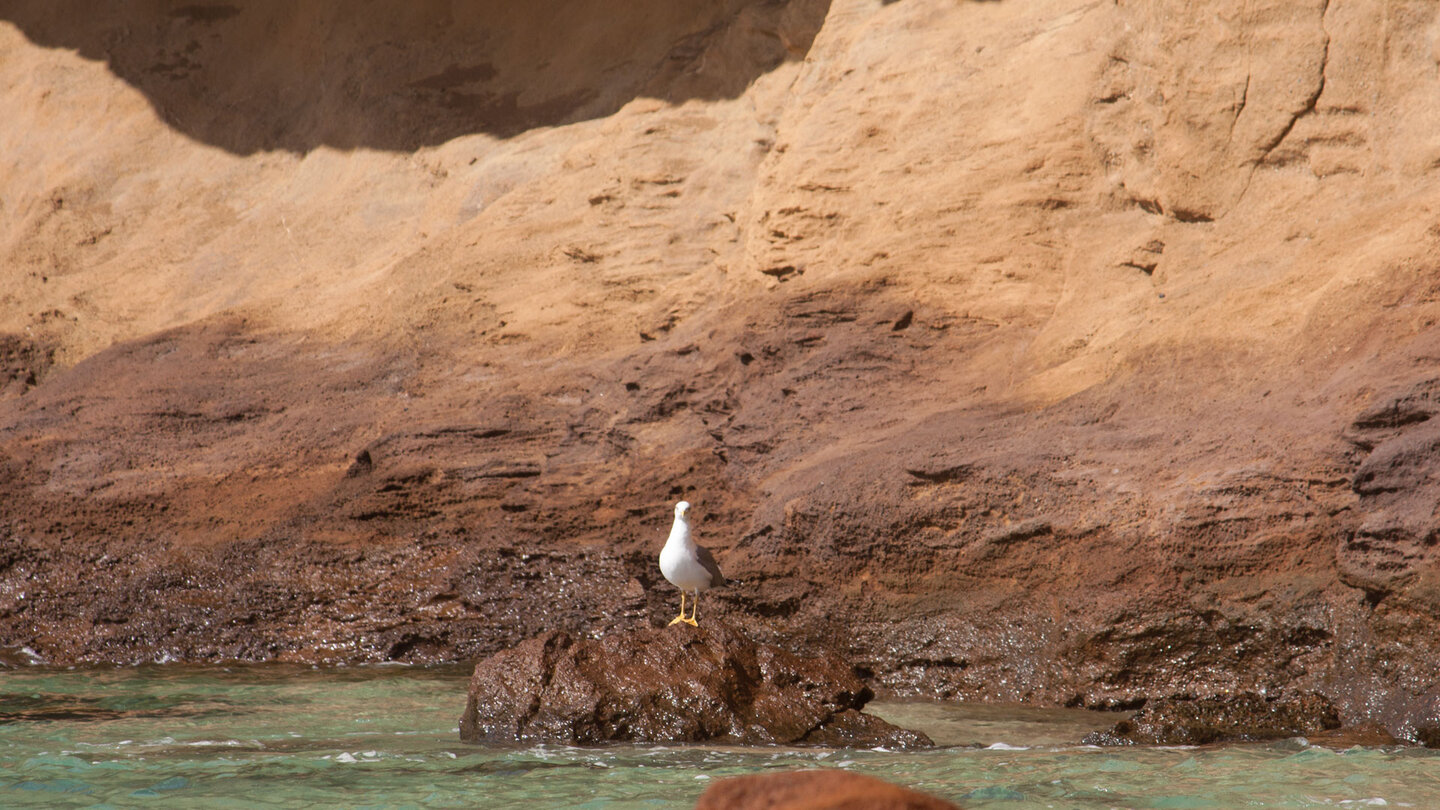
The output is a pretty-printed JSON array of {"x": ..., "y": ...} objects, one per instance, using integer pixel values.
[{"x": 1052, "y": 351}]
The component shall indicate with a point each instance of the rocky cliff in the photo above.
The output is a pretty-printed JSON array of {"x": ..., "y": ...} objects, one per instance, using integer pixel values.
[{"x": 1065, "y": 351}]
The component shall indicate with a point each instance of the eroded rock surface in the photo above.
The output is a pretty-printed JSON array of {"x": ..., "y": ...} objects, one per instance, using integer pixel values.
[
  {"x": 1054, "y": 351},
  {"x": 814, "y": 790},
  {"x": 1245, "y": 717},
  {"x": 672, "y": 684}
]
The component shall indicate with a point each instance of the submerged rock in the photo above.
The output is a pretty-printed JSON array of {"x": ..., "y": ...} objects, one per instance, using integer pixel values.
[
  {"x": 673, "y": 684},
  {"x": 1222, "y": 718},
  {"x": 814, "y": 790}
]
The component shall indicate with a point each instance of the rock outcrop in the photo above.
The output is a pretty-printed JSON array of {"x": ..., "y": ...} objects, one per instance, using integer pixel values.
[
  {"x": 814, "y": 790},
  {"x": 1050, "y": 351},
  {"x": 671, "y": 685},
  {"x": 1245, "y": 717}
]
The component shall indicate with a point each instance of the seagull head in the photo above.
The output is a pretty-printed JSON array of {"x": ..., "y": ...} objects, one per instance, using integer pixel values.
[{"x": 682, "y": 509}]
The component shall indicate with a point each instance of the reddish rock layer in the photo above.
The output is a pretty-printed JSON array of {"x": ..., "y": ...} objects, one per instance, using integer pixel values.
[{"x": 1060, "y": 351}]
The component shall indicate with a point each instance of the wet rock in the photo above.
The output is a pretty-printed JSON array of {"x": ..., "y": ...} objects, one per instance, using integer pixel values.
[
  {"x": 1367, "y": 734},
  {"x": 12, "y": 657},
  {"x": 1223, "y": 718},
  {"x": 1428, "y": 735},
  {"x": 814, "y": 790},
  {"x": 671, "y": 684}
]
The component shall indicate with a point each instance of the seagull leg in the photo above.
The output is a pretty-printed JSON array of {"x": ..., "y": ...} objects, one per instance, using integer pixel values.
[
  {"x": 681, "y": 617},
  {"x": 694, "y": 605}
]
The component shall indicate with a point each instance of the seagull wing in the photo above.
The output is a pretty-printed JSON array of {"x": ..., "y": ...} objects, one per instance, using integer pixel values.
[{"x": 708, "y": 560}]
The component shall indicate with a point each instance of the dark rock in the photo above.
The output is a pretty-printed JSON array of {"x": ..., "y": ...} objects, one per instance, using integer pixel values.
[
  {"x": 1224, "y": 718},
  {"x": 671, "y": 684},
  {"x": 1428, "y": 736},
  {"x": 1368, "y": 734},
  {"x": 814, "y": 790}
]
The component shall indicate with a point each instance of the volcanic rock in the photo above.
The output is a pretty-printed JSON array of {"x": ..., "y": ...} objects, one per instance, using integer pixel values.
[
  {"x": 814, "y": 790},
  {"x": 673, "y": 684},
  {"x": 1245, "y": 717}
]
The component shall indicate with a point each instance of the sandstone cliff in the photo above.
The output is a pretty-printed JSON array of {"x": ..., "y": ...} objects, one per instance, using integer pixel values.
[{"x": 1054, "y": 351}]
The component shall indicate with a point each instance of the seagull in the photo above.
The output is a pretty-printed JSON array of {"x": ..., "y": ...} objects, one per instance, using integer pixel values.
[{"x": 688, "y": 566}]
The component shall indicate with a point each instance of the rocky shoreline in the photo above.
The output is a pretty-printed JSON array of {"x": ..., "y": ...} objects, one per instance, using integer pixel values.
[
  {"x": 679, "y": 685},
  {"x": 1046, "y": 352}
]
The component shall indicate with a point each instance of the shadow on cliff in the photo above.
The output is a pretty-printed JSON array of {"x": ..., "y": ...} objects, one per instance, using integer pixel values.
[{"x": 396, "y": 75}]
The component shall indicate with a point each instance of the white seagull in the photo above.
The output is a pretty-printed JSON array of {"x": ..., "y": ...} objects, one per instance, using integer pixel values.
[{"x": 688, "y": 566}]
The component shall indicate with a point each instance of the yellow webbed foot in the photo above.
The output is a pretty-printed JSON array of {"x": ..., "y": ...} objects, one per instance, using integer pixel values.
[
  {"x": 679, "y": 619},
  {"x": 688, "y": 621}
]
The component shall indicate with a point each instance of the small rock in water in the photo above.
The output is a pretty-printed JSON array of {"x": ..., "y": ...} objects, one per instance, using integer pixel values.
[
  {"x": 673, "y": 684},
  {"x": 814, "y": 790},
  {"x": 1246, "y": 717}
]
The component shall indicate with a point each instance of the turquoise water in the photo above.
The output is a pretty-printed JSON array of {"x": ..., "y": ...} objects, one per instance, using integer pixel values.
[{"x": 386, "y": 737}]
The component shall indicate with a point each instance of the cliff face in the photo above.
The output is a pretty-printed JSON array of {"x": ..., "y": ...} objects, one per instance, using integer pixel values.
[{"x": 1053, "y": 351}]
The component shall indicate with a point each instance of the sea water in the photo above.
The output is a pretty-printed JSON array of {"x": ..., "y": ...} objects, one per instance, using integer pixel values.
[{"x": 261, "y": 736}]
